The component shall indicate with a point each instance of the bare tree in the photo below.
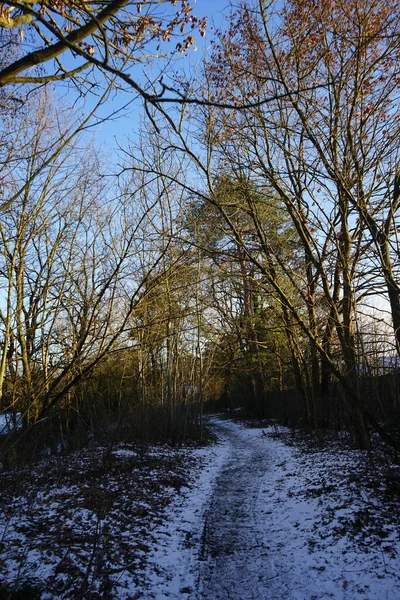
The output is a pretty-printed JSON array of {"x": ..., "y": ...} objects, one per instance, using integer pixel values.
[
  {"x": 74, "y": 267},
  {"x": 319, "y": 145}
]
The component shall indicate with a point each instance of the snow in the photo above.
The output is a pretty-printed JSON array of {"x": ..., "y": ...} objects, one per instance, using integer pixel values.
[
  {"x": 253, "y": 517},
  {"x": 173, "y": 564},
  {"x": 264, "y": 522}
]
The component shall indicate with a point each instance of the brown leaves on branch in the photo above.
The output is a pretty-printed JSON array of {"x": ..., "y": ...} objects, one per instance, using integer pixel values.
[
  {"x": 323, "y": 35},
  {"x": 114, "y": 35},
  {"x": 314, "y": 43}
]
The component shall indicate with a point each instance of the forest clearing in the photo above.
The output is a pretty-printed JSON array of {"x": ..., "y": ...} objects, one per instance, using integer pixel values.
[{"x": 258, "y": 514}]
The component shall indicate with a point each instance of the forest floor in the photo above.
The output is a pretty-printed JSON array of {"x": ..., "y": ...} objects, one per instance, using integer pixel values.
[{"x": 259, "y": 515}]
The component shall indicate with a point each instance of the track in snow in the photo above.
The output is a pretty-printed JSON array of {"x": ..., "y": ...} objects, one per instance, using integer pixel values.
[{"x": 234, "y": 557}]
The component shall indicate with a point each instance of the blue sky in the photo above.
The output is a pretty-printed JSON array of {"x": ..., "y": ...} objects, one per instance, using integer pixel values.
[{"x": 117, "y": 130}]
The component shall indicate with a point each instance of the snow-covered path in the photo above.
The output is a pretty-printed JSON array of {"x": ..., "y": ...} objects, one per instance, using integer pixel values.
[
  {"x": 263, "y": 523},
  {"x": 234, "y": 553}
]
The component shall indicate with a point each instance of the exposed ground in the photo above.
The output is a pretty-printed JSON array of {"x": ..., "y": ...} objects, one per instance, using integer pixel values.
[{"x": 256, "y": 516}]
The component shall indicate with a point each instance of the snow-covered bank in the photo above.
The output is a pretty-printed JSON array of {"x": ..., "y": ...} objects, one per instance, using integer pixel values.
[{"x": 80, "y": 526}]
